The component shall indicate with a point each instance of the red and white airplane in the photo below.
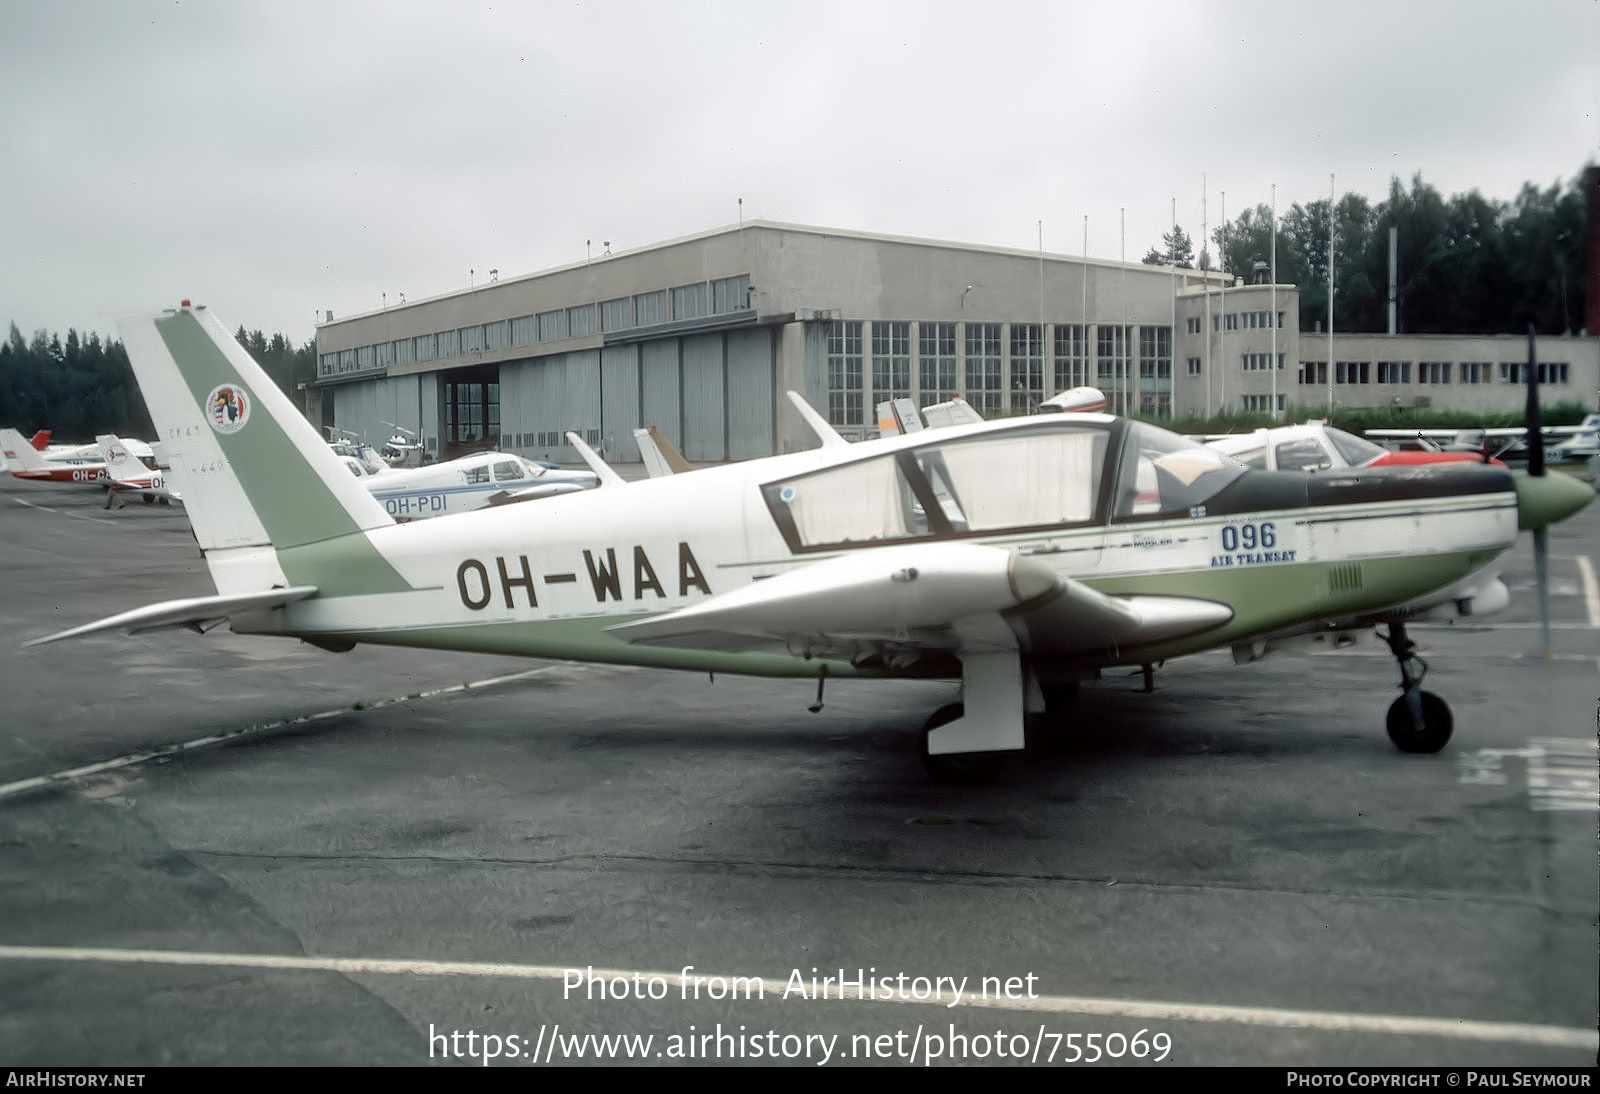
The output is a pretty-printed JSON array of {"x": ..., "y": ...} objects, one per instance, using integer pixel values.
[
  {"x": 1318, "y": 446},
  {"x": 26, "y": 462},
  {"x": 129, "y": 475}
]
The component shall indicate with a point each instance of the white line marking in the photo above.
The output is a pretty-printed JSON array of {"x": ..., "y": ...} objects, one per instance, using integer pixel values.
[
  {"x": 130, "y": 760},
  {"x": 1460, "y": 1029},
  {"x": 64, "y": 513},
  {"x": 1591, "y": 589}
]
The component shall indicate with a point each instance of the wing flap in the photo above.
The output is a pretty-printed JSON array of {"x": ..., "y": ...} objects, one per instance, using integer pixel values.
[{"x": 189, "y": 612}]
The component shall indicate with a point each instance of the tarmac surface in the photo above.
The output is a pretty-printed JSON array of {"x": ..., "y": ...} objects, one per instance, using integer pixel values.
[{"x": 1239, "y": 865}]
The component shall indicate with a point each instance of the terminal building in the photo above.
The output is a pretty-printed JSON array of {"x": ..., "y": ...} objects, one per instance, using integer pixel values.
[{"x": 702, "y": 336}]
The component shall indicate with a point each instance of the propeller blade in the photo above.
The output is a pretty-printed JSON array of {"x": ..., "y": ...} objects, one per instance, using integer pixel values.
[
  {"x": 1535, "y": 424},
  {"x": 1541, "y": 537}
]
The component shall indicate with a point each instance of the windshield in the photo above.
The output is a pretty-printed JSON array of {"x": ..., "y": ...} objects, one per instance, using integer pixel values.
[
  {"x": 1356, "y": 450},
  {"x": 1165, "y": 474}
]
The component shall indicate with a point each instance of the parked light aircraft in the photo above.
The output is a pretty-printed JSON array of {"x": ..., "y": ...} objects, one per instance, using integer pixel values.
[
  {"x": 1317, "y": 446},
  {"x": 85, "y": 453},
  {"x": 25, "y": 462},
  {"x": 129, "y": 476},
  {"x": 464, "y": 484},
  {"x": 1013, "y": 555},
  {"x": 1562, "y": 443}
]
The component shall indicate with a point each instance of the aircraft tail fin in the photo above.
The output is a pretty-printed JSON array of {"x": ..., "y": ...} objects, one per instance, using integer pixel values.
[
  {"x": 40, "y": 440},
  {"x": 660, "y": 456},
  {"x": 120, "y": 463},
  {"x": 255, "y": 473},
  {"x": 602, "y": 470},
  {"x": 19, "y": 454}
]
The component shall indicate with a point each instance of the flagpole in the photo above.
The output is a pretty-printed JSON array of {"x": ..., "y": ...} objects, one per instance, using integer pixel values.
[
  {"x": 1332, "y": 214},
  {"x": 1205, "y": 337},
  {"x": 1272, "y": 316},
  {"x": 1222, "y": 313},
  {"x": 1172, "y": 337}
]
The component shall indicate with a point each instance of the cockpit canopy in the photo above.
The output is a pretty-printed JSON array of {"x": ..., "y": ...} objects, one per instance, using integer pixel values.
[{"x": 1035, "y": 476}]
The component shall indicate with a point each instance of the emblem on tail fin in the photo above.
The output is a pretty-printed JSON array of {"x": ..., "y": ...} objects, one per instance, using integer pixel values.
[{"x": 227, "y": 408}]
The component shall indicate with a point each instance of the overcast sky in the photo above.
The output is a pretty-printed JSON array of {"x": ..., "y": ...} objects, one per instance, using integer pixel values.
[{"x": 273, "y": 159}]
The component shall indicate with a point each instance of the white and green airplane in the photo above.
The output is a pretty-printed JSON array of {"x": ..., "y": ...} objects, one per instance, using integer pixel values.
[{"x": 1018, "y": 556}]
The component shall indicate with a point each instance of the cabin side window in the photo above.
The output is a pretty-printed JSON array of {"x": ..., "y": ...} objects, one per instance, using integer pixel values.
[{"x": 1013, "y": 481}]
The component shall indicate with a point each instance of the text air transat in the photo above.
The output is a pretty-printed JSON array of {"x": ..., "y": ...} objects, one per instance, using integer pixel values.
[{"x": 1019, "y": 556}]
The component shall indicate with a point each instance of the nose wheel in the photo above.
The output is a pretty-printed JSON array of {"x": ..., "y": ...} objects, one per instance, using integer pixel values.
[{"x": 1418, "y": 721}]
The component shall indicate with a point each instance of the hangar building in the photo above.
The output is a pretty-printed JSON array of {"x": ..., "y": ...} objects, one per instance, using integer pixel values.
[{"x": 701, "y": 337}]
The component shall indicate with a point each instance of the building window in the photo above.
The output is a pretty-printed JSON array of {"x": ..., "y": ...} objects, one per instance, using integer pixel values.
[
  {"x": 1260, "y": 362},
  {"x": 427, "y": 347},
  {"x": 494, "y": 335},
  {"x": 1194, "y": 366},
  {"x": 471, "y": 339},
  {"x": 616, "y": 314},
  {"x": 1476, "y": 372},
  {"x": 936, "y": 362},
  {"x": 730, "y": 294},
  {"x": 1192, "y": 324},
  {"x": 891, "y": 361},
  {"x": 1155, "y": 353},
  {"x": 844, "y": 373},
  {"x": 447, "y": 343},
  {"x": 580, "y": 321},
  {"x": 1113, "y": 355},
  {"x": 1351, "y": 372},
  {"x": 650, "y": 307},
  {"x": 689, "y": 301},
  {"x": 1260, "y": 402},
  {"x": 983, "y": 368},
  {"x": 403, "y": 352},
  {"x": 522, "y": 331},
  {"x": 1027, "y": 367},
  {"x": 1314, "y": 372},
  {"x": 1394, "y": 372},
  {"x": 1072, "y": 356},
  {"x": 552, "y": 326},
  {"x": 1552, "y": 372},
  {"x": 1433, "y": 372}
]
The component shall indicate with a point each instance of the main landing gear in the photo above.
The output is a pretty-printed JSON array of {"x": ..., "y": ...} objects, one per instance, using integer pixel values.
[{"x": 1418, "y": 721}]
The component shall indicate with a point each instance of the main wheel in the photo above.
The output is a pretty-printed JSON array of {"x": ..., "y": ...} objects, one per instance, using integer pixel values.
[
  {"x": 1437, "y": 724},
  {"x": 149, "y": 499},
  {"x": 955, "y": 768}
]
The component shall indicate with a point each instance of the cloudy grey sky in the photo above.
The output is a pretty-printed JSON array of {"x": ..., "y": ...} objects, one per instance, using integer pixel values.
[{"x": 276, "y": 158}]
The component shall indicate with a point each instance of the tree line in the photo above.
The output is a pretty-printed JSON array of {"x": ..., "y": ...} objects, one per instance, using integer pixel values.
[
  {"x": 1467, "y": 264},
  {"x": 82, "y": 386}
]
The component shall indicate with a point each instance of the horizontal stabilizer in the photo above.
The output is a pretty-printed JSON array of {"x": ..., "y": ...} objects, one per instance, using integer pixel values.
[{"x": 191, "y": 612}]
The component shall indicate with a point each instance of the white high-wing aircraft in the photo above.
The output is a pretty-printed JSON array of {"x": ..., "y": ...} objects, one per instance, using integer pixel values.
[
  {"x": 23, "y": 461},
  {"x": 130, "y": 476},
  {"x": 86, "y": 453},
  {"x": 1017, "y": 556}
]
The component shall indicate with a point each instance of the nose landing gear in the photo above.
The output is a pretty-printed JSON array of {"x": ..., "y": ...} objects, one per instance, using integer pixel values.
[{"x": 1418, "y": 721}]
